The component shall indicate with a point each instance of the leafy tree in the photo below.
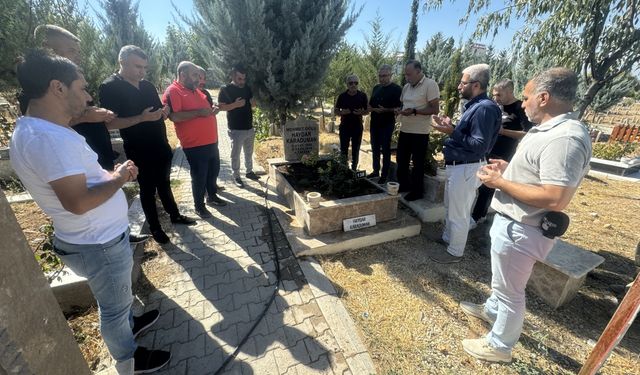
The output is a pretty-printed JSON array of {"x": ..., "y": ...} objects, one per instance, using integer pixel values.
[
  {"x": 286, "y": 46},
  {"x": 598, "y": 38},
  {"x": 623, "y": 85},
  {"x": 122, "y": 25},
  {"x": 436, "y": 57},
  {"x": 376, "y": 52},
  {"x": 345, "y": 62},
  {"x": 450, "y": 95},
  {"x": 412, "y": 36}
]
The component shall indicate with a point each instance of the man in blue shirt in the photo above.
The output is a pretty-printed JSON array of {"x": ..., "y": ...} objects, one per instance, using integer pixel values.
[{"x": 464, "y": 153}]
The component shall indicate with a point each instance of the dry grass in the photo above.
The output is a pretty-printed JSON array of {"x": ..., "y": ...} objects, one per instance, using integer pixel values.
[{"x": 407, "y": 306}]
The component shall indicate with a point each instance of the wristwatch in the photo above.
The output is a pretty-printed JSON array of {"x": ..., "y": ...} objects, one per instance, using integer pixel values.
[{"x": 415, "y": 113}]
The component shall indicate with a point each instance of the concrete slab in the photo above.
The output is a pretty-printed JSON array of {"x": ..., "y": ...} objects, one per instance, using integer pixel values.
[
  {"x": 427, "y": 211},
  {"x": 302, "y": 244}
]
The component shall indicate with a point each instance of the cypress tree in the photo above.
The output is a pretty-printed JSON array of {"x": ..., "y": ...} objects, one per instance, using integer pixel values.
[{"x": 412, "y": 36}]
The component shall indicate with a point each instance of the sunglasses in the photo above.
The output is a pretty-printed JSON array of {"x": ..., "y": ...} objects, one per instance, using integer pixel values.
[{"x": 353, "y": 83}]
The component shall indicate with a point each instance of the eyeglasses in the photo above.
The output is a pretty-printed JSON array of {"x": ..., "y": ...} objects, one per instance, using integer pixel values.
[
  {"x": 353, "y": 83},
  {"x": 463, "y": 83},
  {"x": 383, "y": 75}
]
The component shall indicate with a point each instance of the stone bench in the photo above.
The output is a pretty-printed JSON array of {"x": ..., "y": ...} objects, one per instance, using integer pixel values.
[{"x": 558, "y": 278}]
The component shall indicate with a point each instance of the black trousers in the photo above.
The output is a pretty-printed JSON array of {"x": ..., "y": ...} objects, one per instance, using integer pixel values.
[
  {"x": 381, "y": 141},
  {"x": 412, "y": 148},
  {"x": 353, "y": 134},
  {"x": 154, "y": 173},
  {"x": 204, "y": 165}
]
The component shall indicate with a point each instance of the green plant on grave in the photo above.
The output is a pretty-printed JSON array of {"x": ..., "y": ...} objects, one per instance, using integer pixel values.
[
  {"x": 261, "y": 124},
  {"x": 48, "y": 260},
  {"x": 336, "y": 178},
  {"x": 309, "y": 160},
  {"x": 614, "y": 151}
]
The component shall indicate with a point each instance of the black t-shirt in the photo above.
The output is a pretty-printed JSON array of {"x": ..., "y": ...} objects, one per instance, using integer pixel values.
[
  {"x": 95, "y": 133},
  {"x": 146, "y": 139},
  {"x": 388, "y": 97},
  {"x": 513, "y": 118},
  {"x": 352, "y": 102},
  {"x": 239, "y": 118}
]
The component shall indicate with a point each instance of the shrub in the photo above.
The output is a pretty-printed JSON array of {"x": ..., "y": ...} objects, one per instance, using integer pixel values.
[{"x": 614, "y": 151}]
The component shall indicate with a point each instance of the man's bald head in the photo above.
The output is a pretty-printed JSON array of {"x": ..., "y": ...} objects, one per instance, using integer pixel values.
[{"x": 188, "y": 74}]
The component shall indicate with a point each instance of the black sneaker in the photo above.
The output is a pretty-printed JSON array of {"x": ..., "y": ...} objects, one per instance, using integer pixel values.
[
  {"x": 203, "y": 213},
  {"x": 373, "y": 175},
  {"x": 238, "y": 182},
  {"x": 144, "y": 321},
  {"x": 252, "y": 176},
  {"x": 138, "y": 238},
  {"x": 382, "y": 180},
  {"x": 216, "y": 201},
  {"x": 160, "y": 236},
  {"x": 146, "y": 361},
  {"x": 181, "y": 219}
]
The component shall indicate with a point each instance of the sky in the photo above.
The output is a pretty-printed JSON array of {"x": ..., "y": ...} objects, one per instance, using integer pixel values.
[{"x": 395, "y": 14}]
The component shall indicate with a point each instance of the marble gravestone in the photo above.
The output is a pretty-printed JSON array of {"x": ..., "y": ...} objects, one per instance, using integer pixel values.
[{"x": 301, "y": 137}]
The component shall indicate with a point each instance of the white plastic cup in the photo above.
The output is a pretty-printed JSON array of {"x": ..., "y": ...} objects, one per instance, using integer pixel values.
[
  {"x": 393, "y": 187},
  {"x": 314, "y": 199}
]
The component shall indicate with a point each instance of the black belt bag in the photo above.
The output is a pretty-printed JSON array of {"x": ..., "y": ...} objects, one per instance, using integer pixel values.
[{"x": 554, "y": 224}]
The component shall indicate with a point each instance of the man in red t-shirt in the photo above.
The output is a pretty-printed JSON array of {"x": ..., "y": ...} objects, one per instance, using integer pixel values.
[{"x": 195, "y": 122}]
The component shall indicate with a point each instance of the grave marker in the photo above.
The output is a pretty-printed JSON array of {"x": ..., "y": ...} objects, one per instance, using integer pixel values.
[{"x": 301, "y": 137}]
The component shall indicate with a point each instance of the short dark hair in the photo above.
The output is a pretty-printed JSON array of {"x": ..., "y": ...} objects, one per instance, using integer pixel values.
[
  {"x": 39, "y": 67},
  {"x": 238, "y": 69},
  {"x": 415, "y": 64}
]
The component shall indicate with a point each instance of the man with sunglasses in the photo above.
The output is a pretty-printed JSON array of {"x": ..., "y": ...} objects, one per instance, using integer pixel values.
[
  {"x": 464, "y": 153},
  {"x": 351, "y": 106},
  {"x": 385, "y": 100}
]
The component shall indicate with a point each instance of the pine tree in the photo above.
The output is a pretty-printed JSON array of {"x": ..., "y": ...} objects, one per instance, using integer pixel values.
[
  {"x": 451, "y": 95},
  {"x": 285, "y": 46},
  {"x": 412, "y": 36}
]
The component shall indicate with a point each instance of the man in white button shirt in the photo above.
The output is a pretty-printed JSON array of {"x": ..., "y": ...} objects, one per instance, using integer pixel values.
[{"x": 85, "y": 202}]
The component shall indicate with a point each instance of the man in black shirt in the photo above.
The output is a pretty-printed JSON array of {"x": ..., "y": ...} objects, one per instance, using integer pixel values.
[
  {"x": 385, "y": 100},
  {"x": 514, "y": 126},
  {"x": 351, "y": 106},
  {"x": 91, "y": 124},
  {"x": 141, "y": 123},
  {"x": 237, "y": 99}
]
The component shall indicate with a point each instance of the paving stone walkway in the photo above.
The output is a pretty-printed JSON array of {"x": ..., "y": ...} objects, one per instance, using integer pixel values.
[{"x": 225, "y": 275}]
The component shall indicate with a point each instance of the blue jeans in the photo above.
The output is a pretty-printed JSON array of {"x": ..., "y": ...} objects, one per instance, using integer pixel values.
[
  {"x": 204, "y": 164},
  {"x": 515, "y": 248},
  {"x": 107, "y": 268}
]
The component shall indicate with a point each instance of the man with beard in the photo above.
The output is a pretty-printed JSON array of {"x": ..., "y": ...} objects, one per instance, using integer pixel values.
[
  {"x": 141, "y": 123},
  {"x": 85, "y": 202},
  {"x": 531, "y": 192},
  {"x": 464, "y": 153},
  {"x": 196, "y": 127},
  {"x": 514, "y": 126}
]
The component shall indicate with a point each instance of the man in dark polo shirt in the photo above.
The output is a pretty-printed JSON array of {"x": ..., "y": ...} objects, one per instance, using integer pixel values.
[
  {"x": 141, "y": 123},
  {"x": 514, "y": 126},
  {"x": 464, "y": 153},
  {"x": 237, "y": 99},
  {"x": 385, "y": 99},
  {"x": 195, "y": 122},
  {"x": 351, "y": 106}
]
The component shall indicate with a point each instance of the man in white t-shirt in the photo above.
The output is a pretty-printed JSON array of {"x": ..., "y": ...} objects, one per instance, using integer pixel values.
[
  {"x": 420, "y": 99},
  {"x": 85, "y": 202}
]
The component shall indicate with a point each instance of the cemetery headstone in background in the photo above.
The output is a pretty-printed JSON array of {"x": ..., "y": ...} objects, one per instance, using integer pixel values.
[{"x": 301, "y": 137}]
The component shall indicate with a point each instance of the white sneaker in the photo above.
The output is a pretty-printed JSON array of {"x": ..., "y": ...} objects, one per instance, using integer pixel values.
[
  {"x": 477, "y": 311},
  {"x": 479, "y": 348}
]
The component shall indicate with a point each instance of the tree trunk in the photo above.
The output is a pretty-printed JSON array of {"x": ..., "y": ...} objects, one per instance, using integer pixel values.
[{"x": 588, "y": 97}]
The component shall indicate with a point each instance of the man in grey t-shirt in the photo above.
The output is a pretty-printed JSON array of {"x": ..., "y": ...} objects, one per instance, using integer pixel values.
[{"x": 542, "y": 177}]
